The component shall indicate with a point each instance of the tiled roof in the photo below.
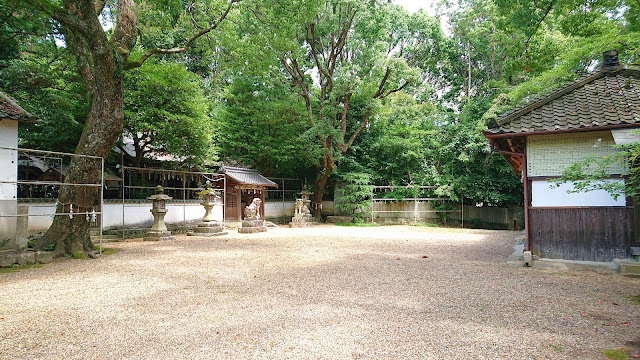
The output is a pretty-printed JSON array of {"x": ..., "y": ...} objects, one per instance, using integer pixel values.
[
  {"x": 10, "y": 109},
  {"x": 602, "y": 99},
  {"x": 247, "y": 176}
]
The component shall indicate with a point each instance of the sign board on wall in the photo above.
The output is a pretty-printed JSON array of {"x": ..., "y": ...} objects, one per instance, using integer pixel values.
[
  {"x": 550, "y": 155},
  {"x": 542, "y": 195}
]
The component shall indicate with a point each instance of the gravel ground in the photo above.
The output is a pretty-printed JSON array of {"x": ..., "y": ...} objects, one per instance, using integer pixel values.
[{"x": 319, "y": 293}]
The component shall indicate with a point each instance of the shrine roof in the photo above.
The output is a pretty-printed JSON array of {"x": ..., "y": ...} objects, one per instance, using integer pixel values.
[
  {"x": 600, "y": 100},
  {"x": 246, "y": 176},
  {"x": 10, "y": 109}
]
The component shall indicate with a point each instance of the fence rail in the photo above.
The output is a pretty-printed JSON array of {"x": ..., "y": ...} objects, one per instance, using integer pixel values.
[
  {"x": 21, "y": 152},
  {"x": 415, "y": 200}
]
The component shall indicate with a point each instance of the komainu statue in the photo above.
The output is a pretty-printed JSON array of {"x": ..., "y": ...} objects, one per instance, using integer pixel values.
[{"x": 252, "y": 212}]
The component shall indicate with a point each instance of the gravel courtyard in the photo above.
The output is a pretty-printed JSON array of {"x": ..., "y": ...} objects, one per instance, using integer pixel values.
[{"x": 326, "y": 292}]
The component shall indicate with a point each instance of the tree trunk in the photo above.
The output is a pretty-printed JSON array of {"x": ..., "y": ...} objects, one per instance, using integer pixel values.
[
  {"x": 104, "y": 125},
  {"x": 324, "y": 169}
]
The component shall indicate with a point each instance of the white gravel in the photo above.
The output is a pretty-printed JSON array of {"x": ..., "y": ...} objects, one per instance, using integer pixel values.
[{"x": 319, "y": 293}]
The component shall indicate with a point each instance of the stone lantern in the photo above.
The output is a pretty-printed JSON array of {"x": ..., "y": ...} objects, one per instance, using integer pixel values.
[
  {"x": 159, "y": 230},
  {"x": 302, "y": 216},
  {"x": 209, "y": 225}
]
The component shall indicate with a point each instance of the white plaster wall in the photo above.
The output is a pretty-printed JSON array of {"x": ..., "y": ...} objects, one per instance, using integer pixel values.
[
  {"x": 543, "y": 196},
  {"x": 8, "y": 158},
  {"x": 274, "y": 209},
  {"x": 279, "y": 208},
  {"x": 135, "y": 214},
  {"x": 8, "y": 173},
  {"x": 138, "y": 214}
]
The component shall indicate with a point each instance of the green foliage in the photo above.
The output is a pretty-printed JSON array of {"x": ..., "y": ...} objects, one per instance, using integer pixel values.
[
  {"x": 16, "y": 268},
  {"x": 615, "y": 354},
  {"x": 165, "y": 111},
  {"x": 356, "y": 195},
  {"x": 46, "y": 85},
  {"x": 412, "y": 142},
  {"x": 633, "y": 298},
  {"x": 565, "y": 42},
  {"x": 260, "y": 122},
  {"x": 79, "y": 255}
]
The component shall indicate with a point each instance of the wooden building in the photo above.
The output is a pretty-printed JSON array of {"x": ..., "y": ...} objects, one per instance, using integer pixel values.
[
  {"x": 242, "y": 186},
  {"x": 542, "y": 138}
]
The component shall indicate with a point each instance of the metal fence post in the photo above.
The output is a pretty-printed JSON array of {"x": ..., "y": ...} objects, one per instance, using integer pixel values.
[{"x": 101, "y": 202}]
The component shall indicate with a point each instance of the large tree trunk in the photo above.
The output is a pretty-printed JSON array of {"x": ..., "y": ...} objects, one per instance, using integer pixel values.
[
  {"x": 70, "y": 234},
  {"x": 324, "y": 170}
]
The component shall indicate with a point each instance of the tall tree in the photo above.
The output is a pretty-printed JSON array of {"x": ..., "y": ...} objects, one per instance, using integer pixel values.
[
  {"x": 165, "y": 111},
  {"x": 259, "y": 122},
  {"x": 101, "y": 59},
  {"x": 338, "y": 53}
]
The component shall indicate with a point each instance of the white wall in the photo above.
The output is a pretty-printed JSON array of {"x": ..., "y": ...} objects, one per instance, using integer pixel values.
[
  {"x": 8, "y": 192},
  {"x": 273, "y": 209},
  {"x": 137, "y": 214},
  {"x": 543, "y": 196}
]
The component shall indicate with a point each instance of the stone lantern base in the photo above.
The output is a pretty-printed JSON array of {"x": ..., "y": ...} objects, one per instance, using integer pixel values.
[
  {"x": 153, "y": 235},
  {"x": 209, "y": 228},
  {"x": 303, "y": 221},
  {"x": 252, "y": 226}
]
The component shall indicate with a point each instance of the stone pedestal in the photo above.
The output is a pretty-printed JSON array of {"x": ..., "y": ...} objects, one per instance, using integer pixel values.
[
  {"x": 301, "y": 221},
  {"x": 159, "y": 230},
  {"x": 209, "y": 228},
  {"x": 209, "y": 225},
  {"x": 302, "y": 216},
  {"x": 252, "y": 226},
  {"x": 252, "y": 222}
]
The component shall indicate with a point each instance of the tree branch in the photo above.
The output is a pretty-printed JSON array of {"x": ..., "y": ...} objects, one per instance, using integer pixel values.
[
  {"x": 395, "y": 90},
  {"x": 311, "y": 39},
  {"x": 137, "y": 63},
  {"x": 299, "y": 80},
  {"x": 343, "y": 118},
  {"x": 125, "y": 35},
  {"x": 526, "y": 46},
  {"x": 365, "y": 119},
  {"x": 99, "y": 6}
]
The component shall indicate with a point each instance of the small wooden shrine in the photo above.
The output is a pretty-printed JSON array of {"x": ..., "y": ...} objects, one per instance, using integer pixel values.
[{"x": 242, "y": 186}]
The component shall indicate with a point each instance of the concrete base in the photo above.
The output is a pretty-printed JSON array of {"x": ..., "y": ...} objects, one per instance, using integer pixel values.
[
  {"x": 8, "y": 259},
  {"x": 558, "y": 264},
  {"x": 301, "y": 224},
  {"x": 44, "y": 257},
  {"x": 626, "y": 266},
  {"x": 158, "y": 236},
  {"x": 212, "y": 228},
  {"x": 251, "y": 230},
  {"x": 252, "y": 226},
  {"x": 28, "y": 257}
]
